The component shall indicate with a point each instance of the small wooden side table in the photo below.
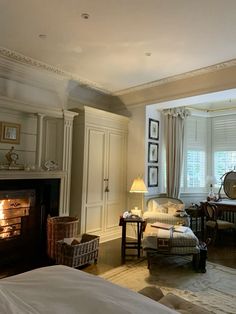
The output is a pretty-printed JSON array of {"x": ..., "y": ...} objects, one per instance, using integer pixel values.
[
  {"x": 196, "y": 214},
  {"x": 125, "y": 244}
]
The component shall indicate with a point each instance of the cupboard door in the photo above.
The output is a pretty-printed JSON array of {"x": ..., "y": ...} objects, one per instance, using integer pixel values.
[
  {"x": 116, "y": 172},
  {"x": 94, "y": 184}
]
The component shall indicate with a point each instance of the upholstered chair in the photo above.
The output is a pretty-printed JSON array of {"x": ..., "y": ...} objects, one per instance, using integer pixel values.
[
  {"x": 166, "y": 210},
  {"x": 214, "y": 223}
]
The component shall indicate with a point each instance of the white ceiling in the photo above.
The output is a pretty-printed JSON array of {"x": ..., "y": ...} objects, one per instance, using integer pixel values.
[{"x": 109, "y": 49}]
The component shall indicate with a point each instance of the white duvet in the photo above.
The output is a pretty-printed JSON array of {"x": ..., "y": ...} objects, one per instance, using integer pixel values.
[{"x": 63, "y": 290}]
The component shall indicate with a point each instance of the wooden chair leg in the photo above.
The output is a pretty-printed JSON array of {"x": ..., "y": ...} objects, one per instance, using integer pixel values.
[
  {"x": 195, "y": 261},
  {"x": 148, "y": 260}
]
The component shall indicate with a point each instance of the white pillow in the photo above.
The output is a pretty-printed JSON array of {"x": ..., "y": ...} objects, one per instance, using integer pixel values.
[
  {"x": 173, "y": 208},
  {"x": 157, "y": 208}
]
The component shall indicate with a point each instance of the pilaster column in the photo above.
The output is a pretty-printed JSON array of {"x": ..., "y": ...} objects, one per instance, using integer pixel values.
[
  {"x": 66, "y": 162},
  {"x": 39, "y": 143}
]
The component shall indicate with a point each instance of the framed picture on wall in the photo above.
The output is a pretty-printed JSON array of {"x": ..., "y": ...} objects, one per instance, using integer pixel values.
[
  {"x": 152, "y": 176},
  {"x": 10, "y": 133},
  {"x": 153, "y": 130},
  {"x": 153, "y": 152}
]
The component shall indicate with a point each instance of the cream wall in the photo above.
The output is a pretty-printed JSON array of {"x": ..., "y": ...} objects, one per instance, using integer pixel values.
[
  {"x": 136, "y": 145},
  {"x": 152, "y": 112},
  {"x": 135, "y": 153}
]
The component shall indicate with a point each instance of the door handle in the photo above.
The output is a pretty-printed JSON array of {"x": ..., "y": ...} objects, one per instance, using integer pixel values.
[{"x": 106, "y": 188}]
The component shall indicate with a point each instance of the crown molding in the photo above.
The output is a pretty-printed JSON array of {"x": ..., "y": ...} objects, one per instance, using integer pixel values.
[
  {"x": 182, "y": 76},
  {"x": 26, "y": 107},
  {"x": 59, "y": 73}
]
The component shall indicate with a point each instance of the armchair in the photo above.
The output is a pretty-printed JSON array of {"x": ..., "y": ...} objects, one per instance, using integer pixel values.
[
  {"x": 166, "y": 210},
  {"x": 214, "y": 222}
]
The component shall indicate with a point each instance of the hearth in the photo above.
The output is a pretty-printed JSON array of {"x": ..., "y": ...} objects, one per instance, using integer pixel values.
[
  {"x": 24, "y": 207},
  {"x": 15, "y": 208}
]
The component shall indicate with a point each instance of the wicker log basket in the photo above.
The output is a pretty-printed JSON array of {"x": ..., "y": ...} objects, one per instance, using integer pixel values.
[
  {"x": 80, "y": 254},
  {"x": 59, "y": 228}
]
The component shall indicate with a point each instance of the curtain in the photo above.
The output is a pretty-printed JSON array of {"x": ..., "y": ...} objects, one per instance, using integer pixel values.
[{"x": 174, "y": 144}]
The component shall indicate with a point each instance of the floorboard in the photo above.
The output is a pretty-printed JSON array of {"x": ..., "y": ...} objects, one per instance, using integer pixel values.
[{"x": 223, "y": 253}]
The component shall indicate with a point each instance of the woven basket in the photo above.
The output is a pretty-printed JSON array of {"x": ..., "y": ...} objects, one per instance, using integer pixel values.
[
  {"x": 59, "y": 228},
  {"x": 80, "y": 254}
]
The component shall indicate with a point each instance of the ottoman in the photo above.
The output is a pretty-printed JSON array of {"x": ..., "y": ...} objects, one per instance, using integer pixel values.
[{"x": 170, "y": 242}]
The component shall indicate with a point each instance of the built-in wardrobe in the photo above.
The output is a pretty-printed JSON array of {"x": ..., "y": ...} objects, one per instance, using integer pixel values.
[{"x": 98, "y": 186}]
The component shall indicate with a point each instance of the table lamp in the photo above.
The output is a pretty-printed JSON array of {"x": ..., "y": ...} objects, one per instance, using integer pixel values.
[{"x": 139, "y": 186}]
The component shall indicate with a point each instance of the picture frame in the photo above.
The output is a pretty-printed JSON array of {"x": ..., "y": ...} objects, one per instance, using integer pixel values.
[
  {"x": 10, "y": 133},
  {"x": 153, "y": 149},
  {"x": 153, "y": 129},
  {"x": 152, "y": 176}
]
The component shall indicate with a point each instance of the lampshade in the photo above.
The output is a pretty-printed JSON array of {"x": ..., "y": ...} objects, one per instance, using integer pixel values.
[{"x": 138, "y": 186}]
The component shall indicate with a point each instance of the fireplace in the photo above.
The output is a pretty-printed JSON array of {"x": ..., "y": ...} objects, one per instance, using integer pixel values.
[
  {"x": 15, "y": 210},
  {"x": 24, "y": 207}
]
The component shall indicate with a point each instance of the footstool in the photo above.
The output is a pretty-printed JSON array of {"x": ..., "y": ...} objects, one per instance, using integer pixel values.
[{"x": 170, "y": 242}]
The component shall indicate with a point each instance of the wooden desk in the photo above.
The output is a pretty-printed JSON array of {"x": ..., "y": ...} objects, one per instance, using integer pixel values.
[
  {"x": 228, "y": 209},
  {"x": 226, "y": 203}
]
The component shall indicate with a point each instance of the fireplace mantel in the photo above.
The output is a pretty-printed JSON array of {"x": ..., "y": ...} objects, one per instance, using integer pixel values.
[
  {"x": 8, "y": 175},
  {"x": 21, "y": 174}
]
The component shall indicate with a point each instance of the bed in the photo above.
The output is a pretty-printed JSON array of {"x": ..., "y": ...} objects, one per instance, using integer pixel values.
[{"x": 64, "y": 290}]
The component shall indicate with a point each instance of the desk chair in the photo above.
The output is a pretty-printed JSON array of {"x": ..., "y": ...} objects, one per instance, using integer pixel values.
[{"x": 214, "y": 224}]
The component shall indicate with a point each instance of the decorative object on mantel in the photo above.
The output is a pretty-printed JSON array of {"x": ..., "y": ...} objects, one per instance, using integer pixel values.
[
  {"x": 10, "y": 133},
  {"x": 12, "y": 158},
  {"x": 50, "y": 165}
]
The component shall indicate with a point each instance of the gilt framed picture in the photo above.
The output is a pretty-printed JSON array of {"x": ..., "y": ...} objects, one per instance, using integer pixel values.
[
  {"x": 152, "y": 176},
  {"x": 153, "y": 152},
  {"x": 10, "y": 133},
  {"x": 153, "y": 132}
]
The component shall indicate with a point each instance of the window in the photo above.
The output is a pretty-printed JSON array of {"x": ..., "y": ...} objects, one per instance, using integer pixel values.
[
  {"x": 196, "y": 161},
  {"x": 224, "y": 161},
  {"x": 195, "y": 152},
  {"x": 223, "y": 145},
  {"x": 209, "y": 151}
]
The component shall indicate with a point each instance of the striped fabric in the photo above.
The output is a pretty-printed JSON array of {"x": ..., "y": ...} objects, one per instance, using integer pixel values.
[
  {"x": 186, "y": 242},
  {"x": 185, "y": 250},
  {"x": 152, "y": 217}
]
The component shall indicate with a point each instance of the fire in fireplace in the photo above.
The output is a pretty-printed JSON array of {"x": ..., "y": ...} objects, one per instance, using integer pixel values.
[
  {"x": 24, "y": 207},
  {"x": 13, "y": 207}
]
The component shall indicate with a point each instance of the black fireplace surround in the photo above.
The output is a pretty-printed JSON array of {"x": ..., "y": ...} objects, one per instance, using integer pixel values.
[{"x": 31, "y": 244}]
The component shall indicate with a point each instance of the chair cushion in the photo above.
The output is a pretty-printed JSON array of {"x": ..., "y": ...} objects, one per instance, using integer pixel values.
[
  {"x": 222, "y": 224},
  {"x": 165, "y": 218},
  {"x": 181, "y": 305}
]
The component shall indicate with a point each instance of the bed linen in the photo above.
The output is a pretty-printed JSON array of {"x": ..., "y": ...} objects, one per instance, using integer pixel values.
[{"x": 64, "y": 290}]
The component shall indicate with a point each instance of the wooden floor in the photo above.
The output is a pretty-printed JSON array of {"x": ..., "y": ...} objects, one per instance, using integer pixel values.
[{"x": 110, "y": 256}]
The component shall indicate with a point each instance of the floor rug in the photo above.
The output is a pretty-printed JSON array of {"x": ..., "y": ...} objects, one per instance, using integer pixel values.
[{"x": 215, "y": 290}]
